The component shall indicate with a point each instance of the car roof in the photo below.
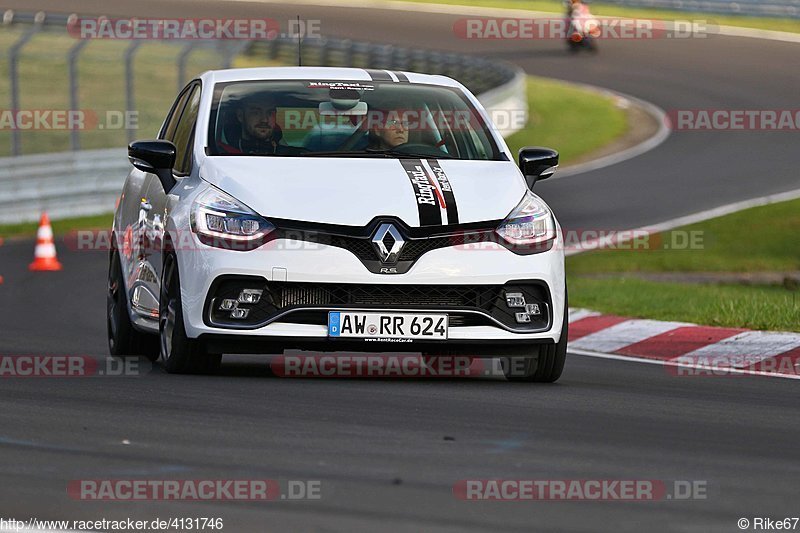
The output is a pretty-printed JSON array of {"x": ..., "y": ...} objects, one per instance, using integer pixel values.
[{"x": 319, "y": 73}]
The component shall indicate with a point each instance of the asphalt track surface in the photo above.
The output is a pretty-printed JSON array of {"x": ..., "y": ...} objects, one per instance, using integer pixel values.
[{"x": 388, "y": 452}]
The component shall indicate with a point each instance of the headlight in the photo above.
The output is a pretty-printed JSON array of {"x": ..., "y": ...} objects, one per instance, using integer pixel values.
[
  {"x": 220, "y": 220},
  {"x": 530, "y": 225}
]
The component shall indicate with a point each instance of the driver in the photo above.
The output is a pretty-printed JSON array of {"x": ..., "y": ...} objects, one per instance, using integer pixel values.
[
  {"x": 388, "y": 130},
  {"x": 259, "y": 132}
]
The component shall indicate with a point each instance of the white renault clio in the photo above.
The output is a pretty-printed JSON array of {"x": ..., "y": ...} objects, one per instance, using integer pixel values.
[{"x": 335, "y": 209}]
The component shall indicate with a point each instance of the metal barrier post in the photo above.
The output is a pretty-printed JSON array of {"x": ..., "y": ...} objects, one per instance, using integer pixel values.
[
  {"x": 229, "y": 53},
  {"x": 130, "y": 102},
  {"x": 74, "y": 52},
  {"x": 183, "y": 57},
  {"x": 13, "y": 70}
]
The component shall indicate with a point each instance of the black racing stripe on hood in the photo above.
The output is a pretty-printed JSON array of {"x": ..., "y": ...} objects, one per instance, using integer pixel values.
[
  {"x": 400, "y": 76},
  {"x": 430, "y": 213},
  {"x": 447, "y": 191}
]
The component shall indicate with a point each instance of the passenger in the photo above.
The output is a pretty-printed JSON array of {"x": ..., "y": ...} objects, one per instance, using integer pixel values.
[{"x": 388, "y": 130}]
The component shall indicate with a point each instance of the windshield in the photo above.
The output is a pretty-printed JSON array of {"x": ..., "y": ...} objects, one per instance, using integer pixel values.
[{"x": 346, "y": 119}]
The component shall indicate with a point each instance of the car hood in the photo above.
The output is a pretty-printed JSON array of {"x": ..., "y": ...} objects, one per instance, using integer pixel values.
[{"x": 353, "y": 191}]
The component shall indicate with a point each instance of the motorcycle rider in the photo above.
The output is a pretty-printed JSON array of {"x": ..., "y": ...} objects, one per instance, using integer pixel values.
[{"x": 582, "y": 27}]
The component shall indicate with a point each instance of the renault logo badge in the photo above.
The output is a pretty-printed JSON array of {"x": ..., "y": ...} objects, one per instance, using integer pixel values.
[{"x": 388, "y": 243}]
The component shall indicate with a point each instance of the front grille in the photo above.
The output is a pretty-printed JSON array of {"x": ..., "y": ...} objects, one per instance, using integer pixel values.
[
  {"x": 479, "y": 304},
  {"x": 414, "y": 248},
  {"x": 351, "y": 295},
  {"x": 360, "y": 247}
]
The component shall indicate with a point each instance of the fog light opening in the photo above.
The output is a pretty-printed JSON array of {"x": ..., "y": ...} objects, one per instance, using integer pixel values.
[
  {"x": 239, "y": 313},
  {"x": 250, "y": 296},
  {"x": 227, "y": 305},
  {"x": 515, "y": 299}
]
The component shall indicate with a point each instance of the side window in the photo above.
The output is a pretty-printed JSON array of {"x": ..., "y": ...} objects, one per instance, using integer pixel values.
[
  {"x": 184, "y": 133},
  {"x": 175, "y": 115}
]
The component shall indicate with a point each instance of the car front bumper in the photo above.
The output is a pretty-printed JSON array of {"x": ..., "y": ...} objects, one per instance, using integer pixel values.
[{"x": 287, "y": 261}]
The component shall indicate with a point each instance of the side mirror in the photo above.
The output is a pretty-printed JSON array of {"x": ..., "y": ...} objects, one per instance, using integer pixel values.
[
  {"x": 156, "y": 157},
  {"x": 537, "y": 163}
]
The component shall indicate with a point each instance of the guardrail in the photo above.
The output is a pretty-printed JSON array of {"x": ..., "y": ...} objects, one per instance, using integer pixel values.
[
  {"x": 87, "y": 182},
  {"x": 753, "y": 8},
  {"x": 65, "y": 184}
]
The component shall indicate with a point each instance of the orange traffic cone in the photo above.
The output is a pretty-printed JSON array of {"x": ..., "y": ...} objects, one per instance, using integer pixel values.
[{"x": 45, "y": 256}]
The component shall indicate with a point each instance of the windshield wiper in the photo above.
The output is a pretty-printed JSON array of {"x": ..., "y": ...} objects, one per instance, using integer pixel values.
[
  {"x": 412, "y": 155},
  {"x": 377, "y": 153}
]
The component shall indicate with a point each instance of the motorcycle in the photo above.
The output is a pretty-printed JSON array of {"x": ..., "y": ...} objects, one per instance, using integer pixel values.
[{"x": 583, "y": 28}]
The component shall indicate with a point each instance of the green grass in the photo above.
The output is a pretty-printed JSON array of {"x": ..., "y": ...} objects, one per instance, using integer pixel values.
[
  {"x": 758, "y": 239},
  {"x": 60, "y": 227},
  {"x": 558, "y": 110},
  {"x": 753, "y": 307},
  {"x": 611, "y": 10},
  {"x": 755, "y": 240}
]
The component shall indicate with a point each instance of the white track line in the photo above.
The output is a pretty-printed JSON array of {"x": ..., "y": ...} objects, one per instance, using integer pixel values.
[
  {"x": 625, "y": 235},
  {"x": 661, "y": 135},
  {"x": 672, "y": 363}
]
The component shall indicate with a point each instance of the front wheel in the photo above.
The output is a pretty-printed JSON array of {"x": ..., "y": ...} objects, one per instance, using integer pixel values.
[
  {"x": 180, "y": 354},
  {"x": 548, "y": 365},
  {"x": 123, "y": 339}
]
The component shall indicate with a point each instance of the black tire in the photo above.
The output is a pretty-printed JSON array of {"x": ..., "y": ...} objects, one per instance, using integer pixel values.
[
  {"x": 548, "y": 365},
  {"x": 179, "y": 353},
  {"x": 573, "y": 47},
  {"x": 123, "y": 339}
]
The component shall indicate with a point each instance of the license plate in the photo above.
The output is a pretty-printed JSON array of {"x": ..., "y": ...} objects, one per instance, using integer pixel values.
[{"x": 387, "y": 326}]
